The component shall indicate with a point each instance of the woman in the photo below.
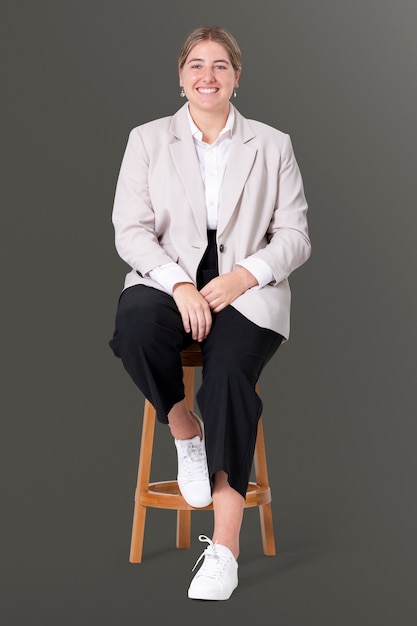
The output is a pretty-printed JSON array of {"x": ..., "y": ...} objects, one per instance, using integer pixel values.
[{"x": 210, "y": 214}]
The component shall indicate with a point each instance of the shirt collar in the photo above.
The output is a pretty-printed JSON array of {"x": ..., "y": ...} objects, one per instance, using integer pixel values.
[{"x": 196, "y": 132}]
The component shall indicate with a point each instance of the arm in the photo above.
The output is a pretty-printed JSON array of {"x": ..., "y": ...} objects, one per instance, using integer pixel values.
[
  {"x": 133, "y": 216},
  {"x": 288, "y": 246},
  {"x": 137, "y": 242}
]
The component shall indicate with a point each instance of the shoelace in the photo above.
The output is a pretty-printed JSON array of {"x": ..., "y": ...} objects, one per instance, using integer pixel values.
[
  {"x": 195, "y": 461},
  {"x": 215, "y": 563}
]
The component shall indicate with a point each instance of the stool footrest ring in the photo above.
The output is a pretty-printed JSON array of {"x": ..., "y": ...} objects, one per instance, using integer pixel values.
[{"x": 166, "y": 495}]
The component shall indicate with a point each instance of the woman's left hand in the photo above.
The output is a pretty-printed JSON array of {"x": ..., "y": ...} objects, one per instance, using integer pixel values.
[{"x": 222, "y": 290}]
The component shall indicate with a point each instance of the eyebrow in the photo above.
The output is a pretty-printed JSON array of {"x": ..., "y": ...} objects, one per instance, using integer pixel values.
[{"x": 218, "y": 61}]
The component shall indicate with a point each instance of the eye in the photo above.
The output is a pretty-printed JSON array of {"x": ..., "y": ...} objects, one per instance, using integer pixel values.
[
  {"x": 220, "y": 67},
  {"x": 196, "y": 66}
]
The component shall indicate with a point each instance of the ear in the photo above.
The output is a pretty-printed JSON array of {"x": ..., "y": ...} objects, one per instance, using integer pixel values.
[
  {"x": 180, "y": 75},
  {"x": 237, "y": 76}
]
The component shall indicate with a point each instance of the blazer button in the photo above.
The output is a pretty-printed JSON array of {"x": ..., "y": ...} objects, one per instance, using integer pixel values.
[{"x": 221, "y": 248}]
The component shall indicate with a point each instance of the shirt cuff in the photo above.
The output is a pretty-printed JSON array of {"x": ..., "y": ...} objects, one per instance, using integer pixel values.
[
  {"x": 168, "y": 275},
  {"x": 259, "y": 269}
]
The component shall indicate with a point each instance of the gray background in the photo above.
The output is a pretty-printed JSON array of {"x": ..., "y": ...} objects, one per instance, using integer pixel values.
[{"x": 340, "y": 395}]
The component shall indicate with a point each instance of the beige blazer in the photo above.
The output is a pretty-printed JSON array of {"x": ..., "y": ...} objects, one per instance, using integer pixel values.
[{"x": 159, "y": 212}]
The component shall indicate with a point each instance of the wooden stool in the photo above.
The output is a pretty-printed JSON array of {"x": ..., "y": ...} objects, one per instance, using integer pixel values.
[{"x": 166, "y": 494}]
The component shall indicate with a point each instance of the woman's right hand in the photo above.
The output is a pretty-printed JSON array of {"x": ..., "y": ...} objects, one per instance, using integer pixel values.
[{"x": 194, "y": 309}]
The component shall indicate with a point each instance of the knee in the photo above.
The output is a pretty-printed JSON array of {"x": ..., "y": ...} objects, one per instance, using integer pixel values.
[
  {"x": 233, "y": 366},
  {"x": 135, "y": 325},
  {"x": 145, "y": 322}
]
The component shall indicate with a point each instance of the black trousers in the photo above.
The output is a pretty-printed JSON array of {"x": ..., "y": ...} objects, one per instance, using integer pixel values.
[{"x": 148, "y": 338}]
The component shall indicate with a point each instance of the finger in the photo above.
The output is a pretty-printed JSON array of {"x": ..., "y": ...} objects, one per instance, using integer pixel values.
[
  {"x": 211, "y": 297},
  {"x": 208, "y": 320},
  {"x": 207, "y": 289},
  {"x": 204, "y": 321},
  {"x": 215, "y": 302},
  {"x": 186, "y": 322},
  {"x": 192, "y": 324},
  {"x": 202, "y": 330},
  {"x": 197, "y": 322}
]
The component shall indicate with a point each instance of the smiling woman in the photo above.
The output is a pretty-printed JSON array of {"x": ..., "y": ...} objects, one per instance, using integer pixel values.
[
  {"x": 209, "y": 67},
  {"x": 208, "y": 80},
  {"x": 211, "y": 216}
]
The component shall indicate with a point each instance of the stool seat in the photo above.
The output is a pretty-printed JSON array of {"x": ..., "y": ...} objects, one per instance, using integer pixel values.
[{"x": 166, "y": 494}]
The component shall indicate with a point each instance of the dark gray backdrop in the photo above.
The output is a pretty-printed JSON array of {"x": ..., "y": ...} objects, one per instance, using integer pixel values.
[{"x": 339, "y": 397}]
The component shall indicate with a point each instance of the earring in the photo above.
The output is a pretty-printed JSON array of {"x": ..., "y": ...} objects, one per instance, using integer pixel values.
[
  {"x": 234, "y": 93},
  {"x": 182, "y": 92}
]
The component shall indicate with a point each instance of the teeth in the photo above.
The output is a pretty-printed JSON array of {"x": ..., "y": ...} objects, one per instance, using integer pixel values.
[{"x": 202, "y": 90}]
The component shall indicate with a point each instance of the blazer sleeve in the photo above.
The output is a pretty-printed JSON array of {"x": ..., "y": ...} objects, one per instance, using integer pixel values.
[
  {"x": 289, "y": 244},
  {"x": 133, "y": 217}
]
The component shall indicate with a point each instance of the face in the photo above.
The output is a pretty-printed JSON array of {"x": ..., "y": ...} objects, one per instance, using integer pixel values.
[{"x": 208, "y": 77}]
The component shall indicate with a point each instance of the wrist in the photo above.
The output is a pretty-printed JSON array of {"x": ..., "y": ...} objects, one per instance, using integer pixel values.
[
  {"x": 182, "y": 284},
  {"x": 247, "y": 278}
]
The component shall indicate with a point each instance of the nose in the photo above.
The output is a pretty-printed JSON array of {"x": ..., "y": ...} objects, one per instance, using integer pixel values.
[{"x": 208, "y": 75}]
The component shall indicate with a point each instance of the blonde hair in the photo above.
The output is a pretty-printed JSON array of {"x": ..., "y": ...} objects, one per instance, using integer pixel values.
[{"x": 212, "y": 33}]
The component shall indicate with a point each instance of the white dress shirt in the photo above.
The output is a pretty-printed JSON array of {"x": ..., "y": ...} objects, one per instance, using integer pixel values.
[{"x": 212, "y": 159}]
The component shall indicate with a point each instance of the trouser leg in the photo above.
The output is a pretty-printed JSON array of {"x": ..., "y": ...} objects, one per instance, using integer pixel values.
[
  {"x": 234, "y": 354},
  {"x": 148, "y": 338}
]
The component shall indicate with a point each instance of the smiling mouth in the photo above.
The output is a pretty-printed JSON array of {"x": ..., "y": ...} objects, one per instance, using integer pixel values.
[{"x": 207, "y": 90}]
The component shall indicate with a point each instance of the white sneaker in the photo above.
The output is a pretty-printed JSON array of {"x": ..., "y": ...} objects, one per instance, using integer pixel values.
[
  {"x": 193, "y": 477},
  {"x": 217, "y": 577}
]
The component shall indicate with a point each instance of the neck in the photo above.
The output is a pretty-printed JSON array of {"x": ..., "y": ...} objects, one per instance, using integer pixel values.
[{"x": 211, "y": 123}]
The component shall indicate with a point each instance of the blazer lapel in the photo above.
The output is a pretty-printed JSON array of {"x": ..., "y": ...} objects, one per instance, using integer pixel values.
[
  {"x": 240, "y": 161},
  {"x": 185, "y": 160}
]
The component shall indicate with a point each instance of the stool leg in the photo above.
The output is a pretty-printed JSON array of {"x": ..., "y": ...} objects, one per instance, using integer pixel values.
[
  {"x": 265, "y": 510},
  {"x": 183, "y": 528},
  {"x": 144, "y": 473}
]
